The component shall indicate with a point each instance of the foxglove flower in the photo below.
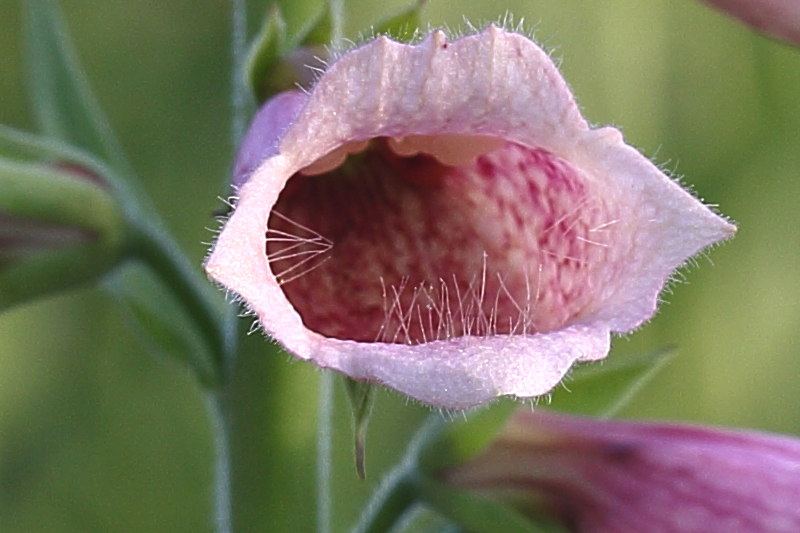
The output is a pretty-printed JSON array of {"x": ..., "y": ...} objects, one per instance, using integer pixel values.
[
  {"x": 616, "y": 477},
  {"x": 439, "y": 218},
  {"x": 778, "y": 18}
]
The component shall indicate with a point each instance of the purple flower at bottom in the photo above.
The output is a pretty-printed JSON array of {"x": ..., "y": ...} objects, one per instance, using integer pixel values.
[
  {"x": 777, "y": 18},
  {"x": 439, "y": 218},
  {"x": 620, "y": 477}
]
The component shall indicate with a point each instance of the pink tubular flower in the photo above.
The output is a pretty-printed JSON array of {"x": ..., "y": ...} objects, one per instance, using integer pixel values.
[
  {"x": 439, "y": 218},
  {"x": 778, "y": 18},
  {"x": 618, "y": 477}
]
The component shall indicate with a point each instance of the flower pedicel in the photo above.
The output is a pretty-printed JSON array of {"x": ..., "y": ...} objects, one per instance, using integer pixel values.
[{"x": 439, "y": 218}]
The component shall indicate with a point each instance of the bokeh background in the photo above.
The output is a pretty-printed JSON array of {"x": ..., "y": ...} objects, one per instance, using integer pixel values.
[{"x": 98, "y": 435}]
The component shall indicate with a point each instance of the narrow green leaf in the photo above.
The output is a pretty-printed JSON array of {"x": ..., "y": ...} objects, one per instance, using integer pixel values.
[
  {"x": 52, "y": 271},
  {"x": 464, "y": 438},
  {"x": 161, "y": 321},
  {"x": 62, "y": 101},
  {"x": 602, "y": 389},
  {"x": 403, "y": 25},
  {"x": 475, "y": 513},
  {"x": 422, "y": 519},
  {"x": 279, "y": 55},
  {"x": 265, "y": 55},
  {"x": 202, "y": 305},
  {"x": 361, "y": 396},
  {"x": 320, "y": 30}
]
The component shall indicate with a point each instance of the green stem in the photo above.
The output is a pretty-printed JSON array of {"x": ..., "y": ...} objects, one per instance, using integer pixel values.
[
  {"x": 201, "y": 302},
  {"x": 324, "y": 452},
  {"x": 337, "y": 21},
  {"x": 395, "y": 495},
  {"x": 223, "y": 481}
]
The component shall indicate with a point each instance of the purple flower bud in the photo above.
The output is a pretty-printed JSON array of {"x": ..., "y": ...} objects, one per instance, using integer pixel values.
[
  {"x": 440, "y": 218},
  {"x": 617, "y": 477},
  {"x": 778, "y": 18}
]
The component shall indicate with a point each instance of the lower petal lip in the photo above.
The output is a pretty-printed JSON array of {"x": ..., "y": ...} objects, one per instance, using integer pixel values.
[{"x": 466, "y": 371}]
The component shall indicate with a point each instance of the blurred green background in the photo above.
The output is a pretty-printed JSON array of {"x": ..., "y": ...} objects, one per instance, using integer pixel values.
[{"x": 97, "y": 435}]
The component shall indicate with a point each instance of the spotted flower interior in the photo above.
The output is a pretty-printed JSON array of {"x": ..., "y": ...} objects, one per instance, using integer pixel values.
[{"x": 424, "y": 238}]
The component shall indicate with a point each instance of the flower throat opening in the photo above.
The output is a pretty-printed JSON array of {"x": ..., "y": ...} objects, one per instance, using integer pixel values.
[{"x": 428, "y": 238}]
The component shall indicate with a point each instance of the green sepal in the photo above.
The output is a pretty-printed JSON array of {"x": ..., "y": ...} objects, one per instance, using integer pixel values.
[
  {"x": 404, "y": 25},
  {"x": 162, "y": 324},
  {"x": 278, "y": 55},
  {"x": 264, "y": 55},
  {"x": 463, "y": 438},
  {"x": 361, "y": 397},
  {"x": 476, "y": 513},
  {"x": 59, "y": 228},
  {"x": 602, "y": 389},
  {"x": 63, "y": 103},
  {"x": 320, "y": 30}
]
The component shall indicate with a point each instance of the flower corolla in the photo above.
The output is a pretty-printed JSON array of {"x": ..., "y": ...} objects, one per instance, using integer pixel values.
[{"x": 439, "y": 218}]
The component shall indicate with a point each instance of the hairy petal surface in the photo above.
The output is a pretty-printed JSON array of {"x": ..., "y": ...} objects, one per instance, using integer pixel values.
[
  {"x": 439, "y": 218},
  {"x": 610, "y": 476}
]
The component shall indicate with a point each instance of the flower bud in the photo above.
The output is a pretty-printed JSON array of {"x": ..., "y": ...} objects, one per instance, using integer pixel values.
[
  {"x": 777, "y": 18},
  {"x": 59, "y": 227},
  {"x": 599, "y": 476}
]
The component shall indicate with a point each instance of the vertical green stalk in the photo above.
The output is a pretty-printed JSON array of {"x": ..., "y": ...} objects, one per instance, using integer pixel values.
[
  {"x": 223, "y": 482},
  {"x": 219, "y": 399},
  {"x": 241, "y": 100},
  {"x": 324, "y": 452},
  {"x": 337, "y": 21},
  {"x": 395, "y": 495}
]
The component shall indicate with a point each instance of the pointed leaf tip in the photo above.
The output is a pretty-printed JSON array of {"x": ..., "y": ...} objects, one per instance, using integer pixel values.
[
  {"x": 402, "y": 25},
  {"x": 362, "y": 397},
  {"x": 604, "y": 389}
]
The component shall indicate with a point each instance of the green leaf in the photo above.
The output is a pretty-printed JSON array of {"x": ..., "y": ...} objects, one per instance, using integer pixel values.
[
  {"x": 475, "y": 513},
  {"x": 319, "y": 31},
  {"x": 362, "y": 397},
  {"x": 68, "y": 112},
  {"x": 279, "y": 55},
  {"x": 422, "y": 519},
  {"x": 162, "y": 323},
  {"x": 265, "y": 55},
  {"x": 602, "y": 389},
  {"x": 62, "y": 101},
  {"x": 403, "y": 25},
  {"x": 464, "y": 438}
]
